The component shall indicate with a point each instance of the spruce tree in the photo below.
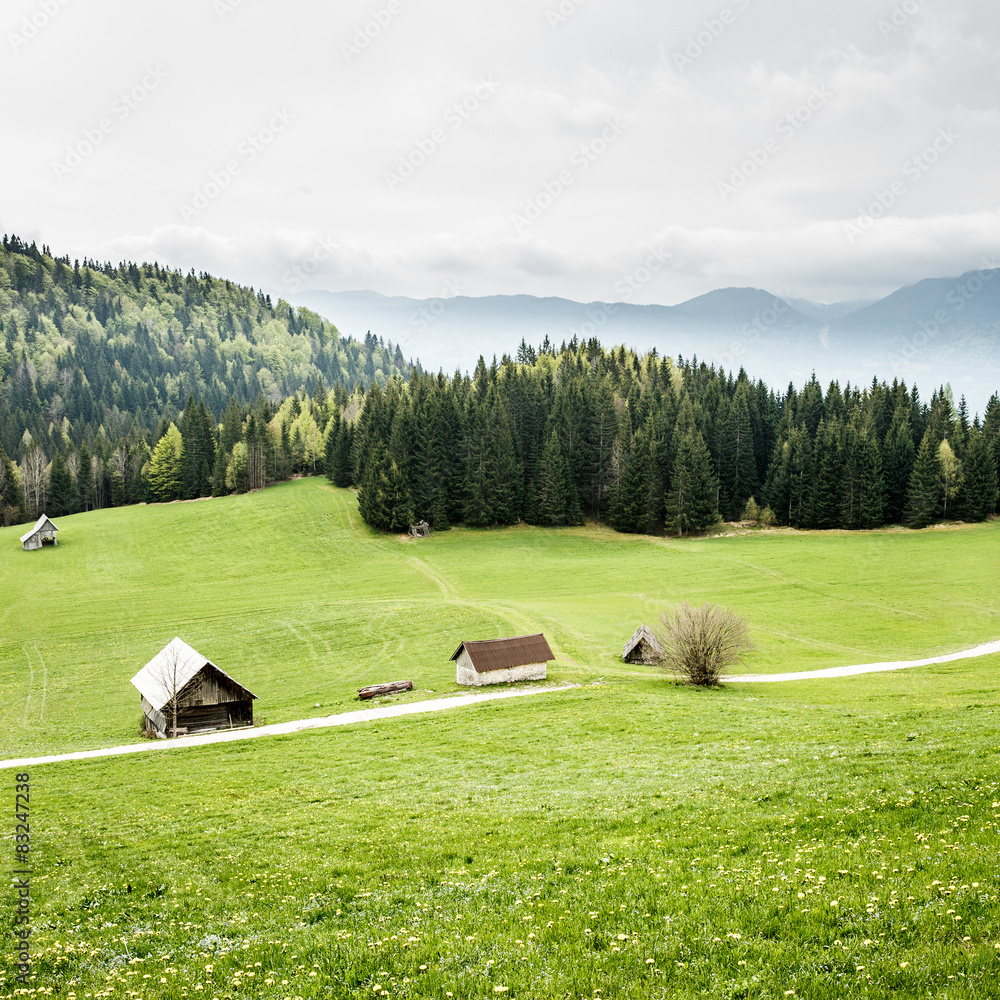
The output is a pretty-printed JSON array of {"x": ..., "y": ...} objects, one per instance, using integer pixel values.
[
  {"x": 330, "y": 438},
  {"x": 898, "y": 456},
  {"x": 629, "y": 504},
  {"x": 737, "y": 465},
  {"x": 62, "y": 489},
  {"x": 923, "y": 494},
  {"x": 978, "y": 496},
  {"x": 692, "y": 501},
  {"x": 219, "y": 487},
  {"x": 554, "y": 487},
  {"x": 85, "y": 479},
  {"x": 863, "y": 498},
  {"x": 11, "y": 497},
  {"x": 825, "y": 478}
]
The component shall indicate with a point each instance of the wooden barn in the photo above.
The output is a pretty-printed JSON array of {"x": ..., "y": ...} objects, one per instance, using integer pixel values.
[
  {"x": 499, "y": 661},
  {"x": 206, "y": 697},
  {"x": 643, "y": 647},
  {"x": 43, "y": 533}
]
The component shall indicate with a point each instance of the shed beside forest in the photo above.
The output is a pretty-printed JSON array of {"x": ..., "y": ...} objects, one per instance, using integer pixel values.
[
  {"x": 206, "y": 696},
  {"x": 43, "y": 533}
]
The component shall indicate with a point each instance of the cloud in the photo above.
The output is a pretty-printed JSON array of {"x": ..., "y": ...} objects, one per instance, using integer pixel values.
[{"x": 314, "y": 206}]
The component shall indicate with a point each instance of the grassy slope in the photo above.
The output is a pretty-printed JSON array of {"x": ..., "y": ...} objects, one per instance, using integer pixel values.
[
  {"x": 291, "y": 593},
  {"x": 825, "y": 839},
  {"x": 837, "y": 839}
]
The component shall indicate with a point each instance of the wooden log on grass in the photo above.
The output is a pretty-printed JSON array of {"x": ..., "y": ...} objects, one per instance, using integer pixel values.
[{"x": 376, "y": 690}]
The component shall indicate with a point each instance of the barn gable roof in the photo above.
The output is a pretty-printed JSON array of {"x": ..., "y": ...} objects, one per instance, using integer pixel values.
[
  {"x": 643, "y": 634},
  {"x": 501, "y": 654},
  {"x": 39, "y": 524},
  {"x": 156, "y": 681}
]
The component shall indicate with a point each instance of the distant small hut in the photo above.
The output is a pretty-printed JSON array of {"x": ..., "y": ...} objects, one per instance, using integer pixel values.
[
  {"x": 420, "y": 530},
  {"x": 206, "y": 697},
  {"x": 643, "y": 647},
  {"x": 43, "y": 533},
  {"x": 499, "y": 661}
]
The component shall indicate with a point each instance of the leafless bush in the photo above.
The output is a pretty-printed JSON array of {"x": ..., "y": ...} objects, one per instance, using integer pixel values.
[{"x": 701, "y": 644}]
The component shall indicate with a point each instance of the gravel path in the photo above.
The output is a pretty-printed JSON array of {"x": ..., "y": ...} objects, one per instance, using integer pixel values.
[
  {"x": 456, "y": 701},
  {"x": 342, "y": 719},
  {"x": 864, "y": 668}
]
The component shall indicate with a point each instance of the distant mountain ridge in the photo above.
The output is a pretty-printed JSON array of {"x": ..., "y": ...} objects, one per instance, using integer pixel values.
[{"x": 781, "y": 339}]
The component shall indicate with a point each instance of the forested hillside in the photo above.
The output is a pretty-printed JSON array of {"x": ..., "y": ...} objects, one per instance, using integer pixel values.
[
  {"x": 94, "y": 354},
  {"x": 135, "y": 383}
]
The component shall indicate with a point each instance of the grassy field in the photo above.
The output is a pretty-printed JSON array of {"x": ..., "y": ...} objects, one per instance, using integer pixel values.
[
  {"x": 291, "y": 593},
  {"x": 831, "y": 839},
  {"x": 825, "y": 839}
]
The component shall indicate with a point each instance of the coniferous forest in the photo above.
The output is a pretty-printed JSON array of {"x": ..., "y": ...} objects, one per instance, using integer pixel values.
[{"x": 140, "y": 384}]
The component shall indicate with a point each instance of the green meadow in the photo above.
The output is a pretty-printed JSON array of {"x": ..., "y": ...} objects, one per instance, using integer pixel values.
[
  {"x": 290, "y": 592},
  {"x": 625, "y": 838}
]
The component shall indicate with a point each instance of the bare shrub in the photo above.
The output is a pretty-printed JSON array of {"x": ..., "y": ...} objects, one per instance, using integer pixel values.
[{"x": 702, "y": 644}]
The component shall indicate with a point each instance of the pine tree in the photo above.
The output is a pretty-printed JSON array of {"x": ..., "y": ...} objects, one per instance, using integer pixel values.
[
  {"x": 899, "y": 455},
  {"x": 630, "y": 500},
  {"x": 691, "y": 502},
  {"x": 826, "y": 475},
  {"x": 62, "y": 489},
  {"x": 863, "y": 497},
  {"x": 737, "y": 466},
  {"x": 383, "y": 498},
  {"x": 85, "y": 479},
  {"x": 923, "y": 494},
  {"x": 219, "y": 487},
  {"x": 978, "y": 496},
  {"x": 11, "y": 497},
  {"x": 556, "y": 493},
  {"x": 232, "y": 425}
]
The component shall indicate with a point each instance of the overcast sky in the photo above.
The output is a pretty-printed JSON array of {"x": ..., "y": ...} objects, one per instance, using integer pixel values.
[{"x": 426, "y": 147}]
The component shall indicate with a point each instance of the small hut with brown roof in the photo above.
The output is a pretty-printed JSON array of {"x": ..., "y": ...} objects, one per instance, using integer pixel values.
[
  {"x": 499, "y": 661},
  {"x": 643, "y": 647}
]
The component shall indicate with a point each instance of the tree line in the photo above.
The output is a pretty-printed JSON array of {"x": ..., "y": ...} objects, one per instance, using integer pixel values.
[
  {"x": 649, "y": 445},
  {"x": 550, "y": 436},
  {"x": 246, "y": 448}
]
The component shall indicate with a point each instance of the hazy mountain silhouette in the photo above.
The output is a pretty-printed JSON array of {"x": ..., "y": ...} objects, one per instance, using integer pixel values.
[{"x": 935, "y": 331}]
